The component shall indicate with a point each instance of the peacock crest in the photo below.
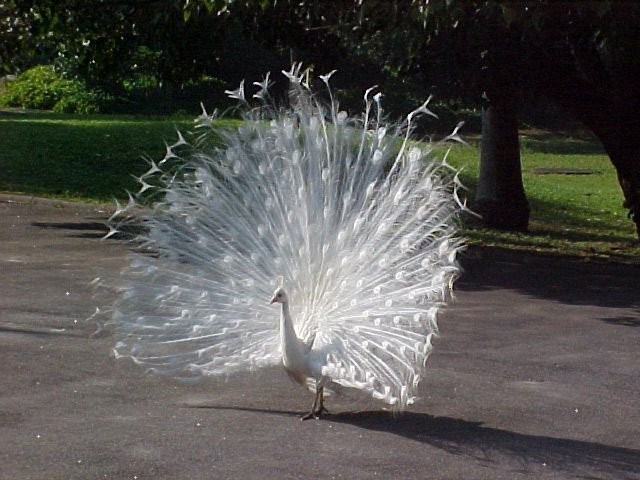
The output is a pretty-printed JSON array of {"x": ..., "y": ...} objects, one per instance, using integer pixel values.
[{"x": 357, "y": 221}]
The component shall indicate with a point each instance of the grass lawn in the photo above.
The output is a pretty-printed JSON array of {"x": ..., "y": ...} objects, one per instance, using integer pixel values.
[
  {"x": 84, "y": 157},
  {"x": 574, "y": 213},
  {"x": 93, "y": 158}
]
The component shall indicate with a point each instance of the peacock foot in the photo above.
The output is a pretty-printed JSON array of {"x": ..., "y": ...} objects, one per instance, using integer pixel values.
[
  {"x": 322, "y": 411},
  {"x": 317, "y": 409},
  {"x": 309, "y": 415},
  {"x": 317, "y": 414}
]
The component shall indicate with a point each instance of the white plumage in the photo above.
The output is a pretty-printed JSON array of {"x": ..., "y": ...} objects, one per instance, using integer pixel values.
[{"x": 352, "y": 215}]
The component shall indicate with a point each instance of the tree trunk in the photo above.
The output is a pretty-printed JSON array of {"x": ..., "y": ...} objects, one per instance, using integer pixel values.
[
  {"x": 631, "y": 190},
  {"x": 500, "y": 197},
  {"x": 622, "y": 144},
  {"x": 606, "y": 102},
  {"x": 617, "y": 126}
]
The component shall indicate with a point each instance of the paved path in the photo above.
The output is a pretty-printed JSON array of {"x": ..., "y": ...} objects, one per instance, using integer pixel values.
[{"x": 536, "y": 375}]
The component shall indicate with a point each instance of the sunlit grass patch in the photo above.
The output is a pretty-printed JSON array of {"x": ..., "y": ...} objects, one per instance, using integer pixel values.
[
  {"x": 571, "y": 213},
  {"x": 82, "y": 157}
]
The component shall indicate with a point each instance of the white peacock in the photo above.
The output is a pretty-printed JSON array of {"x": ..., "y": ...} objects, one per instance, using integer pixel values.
[{"x": 357, "y": 220}]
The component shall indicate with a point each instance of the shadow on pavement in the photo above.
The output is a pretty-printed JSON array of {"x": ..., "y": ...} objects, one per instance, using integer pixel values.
[
  {"x": 93, "y": 229},
  {"x": 624, "y": 320},
  {"x": 484, "y": 443},
  {"x": 283, "y": 413},
  {"x": 44, "y": 331},
  {"x": 570, "y": 281}
]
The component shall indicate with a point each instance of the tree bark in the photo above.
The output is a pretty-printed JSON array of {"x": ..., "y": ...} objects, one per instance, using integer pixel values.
[
  {"x": 500, "y": 197},
  {"x": 616, "y": 124},
  {"x": 623, "y": 147}
]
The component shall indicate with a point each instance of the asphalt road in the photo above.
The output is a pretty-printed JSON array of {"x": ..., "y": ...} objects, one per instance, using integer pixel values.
[{"x": 536, "y": 374}]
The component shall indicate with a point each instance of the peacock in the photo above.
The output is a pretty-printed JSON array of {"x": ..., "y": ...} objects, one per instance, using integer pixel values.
[{"x": 344, "y": 223}]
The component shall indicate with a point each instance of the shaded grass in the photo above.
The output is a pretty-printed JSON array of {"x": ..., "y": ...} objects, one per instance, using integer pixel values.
[
  {"x": 93, "y": 158},
  {"x": 89, "y": 158},
  {"x": 578, "y": 215}
]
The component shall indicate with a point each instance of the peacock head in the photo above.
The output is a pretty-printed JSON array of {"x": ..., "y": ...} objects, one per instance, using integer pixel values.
[{"x": 279, "y": 296}]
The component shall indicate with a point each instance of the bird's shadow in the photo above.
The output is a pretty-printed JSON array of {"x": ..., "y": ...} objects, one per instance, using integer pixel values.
[
  {"x": 37, "y": 331},
  {"x": 486, "y": 444},
  {"x": 95, "y": 228}
]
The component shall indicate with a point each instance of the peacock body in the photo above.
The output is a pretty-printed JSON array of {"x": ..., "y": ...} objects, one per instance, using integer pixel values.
[{"x": 351, "y": 223}]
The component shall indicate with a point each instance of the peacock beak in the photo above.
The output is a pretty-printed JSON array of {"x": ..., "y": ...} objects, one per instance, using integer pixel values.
[{"x": 273, "y": 300}]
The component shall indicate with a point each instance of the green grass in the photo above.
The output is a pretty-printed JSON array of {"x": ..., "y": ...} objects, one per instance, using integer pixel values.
[
  {"x": 579, "y": 215},
  {"x": 92, "y": 158},
  {"x": 83, "y": 157}
]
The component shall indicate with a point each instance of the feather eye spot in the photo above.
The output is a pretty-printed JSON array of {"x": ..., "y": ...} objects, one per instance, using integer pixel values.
[
  {"x": 382, "y": 131},
  {"x": 415, "y": 154},
  {"x": 295, "y": 157},
  {"x": 383, "y": 227}
]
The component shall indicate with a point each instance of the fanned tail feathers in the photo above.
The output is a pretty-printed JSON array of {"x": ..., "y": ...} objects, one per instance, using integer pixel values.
[{"x": 358, "y": 220}]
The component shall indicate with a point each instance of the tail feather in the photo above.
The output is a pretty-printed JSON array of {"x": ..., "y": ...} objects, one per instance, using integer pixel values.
[{"x": 358, "y": 219}]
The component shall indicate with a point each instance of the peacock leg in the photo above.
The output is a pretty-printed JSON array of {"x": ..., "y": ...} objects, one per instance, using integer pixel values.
[
  {"x": 312, "y": 413},
  {"x": 321, "y": 409}
]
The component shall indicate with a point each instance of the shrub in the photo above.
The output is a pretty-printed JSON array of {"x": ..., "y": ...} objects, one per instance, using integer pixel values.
[
  {"x": 78, "y": 102},
  {"x": 32, "y": 89},
  {"x": 42, "y": 88}
]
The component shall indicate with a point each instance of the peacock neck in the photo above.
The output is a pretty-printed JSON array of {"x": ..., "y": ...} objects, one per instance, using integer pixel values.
[
  {"x": 289, "y": 341},
  {"x": 286, "y": 324}
]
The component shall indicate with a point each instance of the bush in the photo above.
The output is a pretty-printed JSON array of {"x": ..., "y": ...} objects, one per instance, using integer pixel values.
[
  {"x": 78, "y": 102},
  {"x": 42, "y": 88},
  {"x": 32, "y": 89}
]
